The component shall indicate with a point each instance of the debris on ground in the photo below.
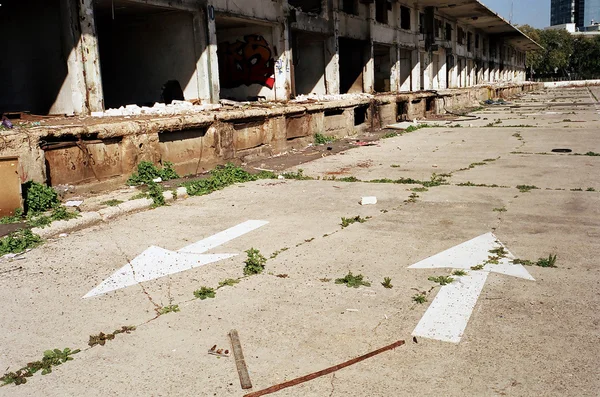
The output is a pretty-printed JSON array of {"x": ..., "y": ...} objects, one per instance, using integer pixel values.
[
  {"x": 323, "y": 372},
  {"x": 369, "y": 200},
  {"x": 240, "y": 362},
  {"x": 218, "y": 352}
]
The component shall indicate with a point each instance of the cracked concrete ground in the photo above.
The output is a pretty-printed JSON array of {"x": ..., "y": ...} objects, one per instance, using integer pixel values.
[{"x": 524, "y": 338}]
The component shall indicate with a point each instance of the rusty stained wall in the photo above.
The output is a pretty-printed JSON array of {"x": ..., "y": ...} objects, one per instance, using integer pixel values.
[
  {"x": 10, "y": 186},
  {"x": 83, "y": 161}
]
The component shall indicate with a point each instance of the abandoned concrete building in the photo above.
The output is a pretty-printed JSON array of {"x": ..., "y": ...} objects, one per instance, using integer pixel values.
[{"x": 243, "y": 78}]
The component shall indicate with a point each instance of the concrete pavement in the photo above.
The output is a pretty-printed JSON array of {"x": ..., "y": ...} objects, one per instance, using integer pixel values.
[{"x": 524, "y": 337}]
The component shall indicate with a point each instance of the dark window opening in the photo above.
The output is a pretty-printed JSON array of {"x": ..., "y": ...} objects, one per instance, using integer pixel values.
[
  {"x": 312, "y": 6},
  {"x": 401, "y": 111},
  {"x": 469, "y": 40},
  {"x": 477, "y": 41},
  {"x": 415, "y": 101},
  {"x": 430, "y": 105},
  {"x": 448, "y": 34},
  {"x": 350, "y": 7},
  {"x": 182, "y": 135},
  {"x": 383, "y": 67},
  {"x": 381, "y": 11},
  {"x": 334, "y": 112},
  {"x": 460, "y": 37},
  {"x": 438, "y": 28},
  {"x": 360, "y": 114},
  {"x": 421, "y": 23},
  {"x": 353, "y": 57},
  {"x": 404, "y": 18}
]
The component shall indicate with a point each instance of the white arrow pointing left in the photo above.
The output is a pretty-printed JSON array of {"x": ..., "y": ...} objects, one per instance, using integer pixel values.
[
  {"x": 447, "y": 317},
  {"x": 156, "y": 262}
]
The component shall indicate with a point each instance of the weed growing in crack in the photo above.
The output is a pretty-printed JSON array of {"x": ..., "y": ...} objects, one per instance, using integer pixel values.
[
  {"x": 594, "y": 154},
  {"x": 224, "y": 176},
  {"x": 390, "y": 134},
  {"x": 524, "y": 262},
  {"x": 473, "y": 165},
  {"x": 419, "y": 189},
  {"x": 526, "y": 188},
  {"x": 348, "y": 179},
  {"x": 112, "y": 203},
  {"x": 321, "y": 139},
  {"x": 52, "y": 358},
  {"x": 501, "y": 209},
  {"x": 155, "y": 192},
  {"x": 547, "y": 262},
  {"x": 577, "y": 190},
  {"x": 229, "y": 282},
  {"x": 168, "y": 309},
  {"x": 349, "y": 221},
  {"x": 436, "y": 180},
  {"x": 441, "y": 280},
  {"x": 299, "y": 175},
  {"x": 324, "y": 280},
  {"x": 459, "y": 273},
  {"x": 412, "y": 198},
  {"x": 419, "y": 298},
  {"x": 477, "y": 267},
  {"x": 387, "y": 282},
  {"x": 471, "y": 184},
  {"x": 353, "y": 281},
  {"x": 147, "y": 172},
  {"x": 101, "y": 338},
  {"x": 205, "y": 293},
  {"x": 138, "y": 196},
  {"x": 255, "y": 263},
  {"x": 590, "y": 189},
  {"x": 276, "y": 253}
]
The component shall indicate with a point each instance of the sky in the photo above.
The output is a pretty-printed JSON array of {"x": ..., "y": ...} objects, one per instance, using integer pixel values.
[{"x": 532, "y": 12}]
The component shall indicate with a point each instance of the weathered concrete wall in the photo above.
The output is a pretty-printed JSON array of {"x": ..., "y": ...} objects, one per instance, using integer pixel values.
[
  {"x": 140, "y": 53},
  {"x": 104, "y": 153}
]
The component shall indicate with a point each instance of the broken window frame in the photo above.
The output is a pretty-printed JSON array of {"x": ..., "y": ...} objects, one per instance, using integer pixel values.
[
  {"x": 469, "y": 41},
  {"x": 460, "y": 37},
  {"x": 349, "y": 7},
  {"x": 448, "y": 32}
]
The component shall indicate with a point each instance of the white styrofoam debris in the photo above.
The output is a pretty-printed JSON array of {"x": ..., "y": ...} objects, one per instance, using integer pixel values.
[
  {"x": 73, "y": 203},
  {"x": 157, "y": 180},
  {"x": 368, "y": 200},
  {"x": 319, "y": 97},
  {"x": 159, "y": 109}
]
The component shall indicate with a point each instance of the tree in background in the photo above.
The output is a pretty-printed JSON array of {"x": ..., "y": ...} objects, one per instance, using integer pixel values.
[{"x": 563, "y": 55}]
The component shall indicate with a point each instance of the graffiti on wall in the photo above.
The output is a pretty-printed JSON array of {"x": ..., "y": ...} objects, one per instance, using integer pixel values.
[{"x": 246, "y": 62}]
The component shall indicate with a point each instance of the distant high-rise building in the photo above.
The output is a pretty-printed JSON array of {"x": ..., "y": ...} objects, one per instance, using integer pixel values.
[{"x": 579, "y": 12}]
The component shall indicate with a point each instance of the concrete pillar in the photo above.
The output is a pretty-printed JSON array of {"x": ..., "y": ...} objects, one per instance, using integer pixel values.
[
  {"x": 283, "y": 75},
  {"x": 72, "y": 96},
  {"x": 369, "y": 69},
  {"x": 332, "y": 69},
  {"x": 90, "y": 55},
  {"x": 416, "y": 71},
  {"x": 428, "y": 72},
  {"x": 443, "y": 70},
  {"x": 395, "y": 70},
  {"x": 203, "y": 64},
  {"x": 210, "y": 56},
  {"x": 453, "y": 83}
]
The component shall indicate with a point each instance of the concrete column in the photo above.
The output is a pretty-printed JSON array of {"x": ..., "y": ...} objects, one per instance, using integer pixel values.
[
  {"x": 416, "y": 71},
  {"x": 443, "y": 70},
  {"x": 369, "y": 70},
  {"x": 453, "y": 83},
  {"x": 72, "y": 97},
  {"x": 332, "y": 49},
  {"x": 395, "y": 70},
  {"x": 210, "y": 56},
  {"x": 428, "y": 72},
  {"x": 283, "y": 75},
  {"x": 203, "y": 66},
  {"x": 90, "y": 55}
]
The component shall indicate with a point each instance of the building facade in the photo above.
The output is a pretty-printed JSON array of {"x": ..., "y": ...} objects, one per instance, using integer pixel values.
[
  {"x": 580, "y": 12},
  {"x": 84, "y": 56}
]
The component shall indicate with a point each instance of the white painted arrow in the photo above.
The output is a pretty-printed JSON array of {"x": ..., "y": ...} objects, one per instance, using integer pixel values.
[
  {"x": 156, "y": 262},
  {"x": 448, "y": 315}
]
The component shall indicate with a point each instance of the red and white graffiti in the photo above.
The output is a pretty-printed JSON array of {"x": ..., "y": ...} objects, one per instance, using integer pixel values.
[{"x": 246, "y": 62}]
